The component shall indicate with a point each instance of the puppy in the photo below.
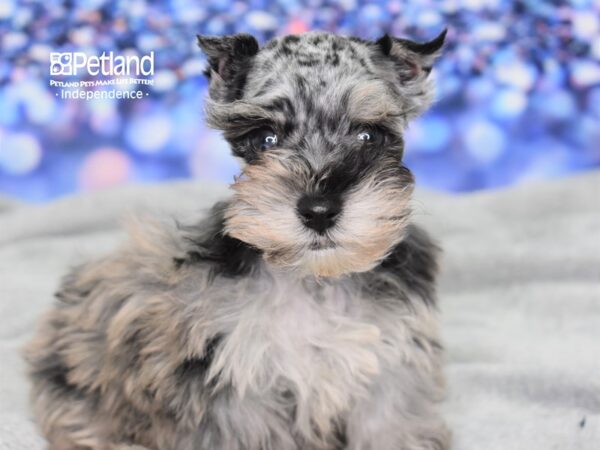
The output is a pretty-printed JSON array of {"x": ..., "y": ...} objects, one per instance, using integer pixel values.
[{"x": 300, "y": 314}]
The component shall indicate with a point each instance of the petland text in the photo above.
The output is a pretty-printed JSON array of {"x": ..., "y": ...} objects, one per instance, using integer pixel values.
[{"x": 78, "y": 63}]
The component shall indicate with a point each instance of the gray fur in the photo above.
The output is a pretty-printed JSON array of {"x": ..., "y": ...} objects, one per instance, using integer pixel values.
[{"x": 248, "y": 331}]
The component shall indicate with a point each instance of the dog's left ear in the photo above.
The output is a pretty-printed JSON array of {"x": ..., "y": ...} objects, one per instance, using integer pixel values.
[
  {"x": 413, "y": 60},
  {"x": 412, "y": 63},
  {"x": 229, "y": 59}
]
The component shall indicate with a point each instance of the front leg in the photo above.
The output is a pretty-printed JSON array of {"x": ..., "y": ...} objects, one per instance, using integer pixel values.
[{"x": 400, "y": 412}]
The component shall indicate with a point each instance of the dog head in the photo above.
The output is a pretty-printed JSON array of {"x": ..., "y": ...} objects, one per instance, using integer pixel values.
[{"x": 318, "y": 120}]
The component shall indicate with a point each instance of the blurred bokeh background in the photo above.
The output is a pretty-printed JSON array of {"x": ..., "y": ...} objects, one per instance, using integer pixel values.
[{"x": 518, "y": 89}]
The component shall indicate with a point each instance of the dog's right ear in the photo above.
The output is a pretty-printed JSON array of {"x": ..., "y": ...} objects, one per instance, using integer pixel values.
[{"x": 229, "y": 59}]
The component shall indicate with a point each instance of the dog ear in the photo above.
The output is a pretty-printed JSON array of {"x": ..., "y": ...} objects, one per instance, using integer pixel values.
[
  {"x": 229, "y": 59},
  {"x": 413, "y": 60}
]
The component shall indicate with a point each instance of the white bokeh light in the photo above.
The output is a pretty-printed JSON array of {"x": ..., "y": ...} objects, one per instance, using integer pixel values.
[{"x": 20, "y": 153}]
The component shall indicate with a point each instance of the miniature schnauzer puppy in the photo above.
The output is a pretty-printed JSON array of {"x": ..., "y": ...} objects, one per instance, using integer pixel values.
[{"x": 300, "y": 314}]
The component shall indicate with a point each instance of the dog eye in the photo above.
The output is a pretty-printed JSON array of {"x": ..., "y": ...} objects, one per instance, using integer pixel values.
[
  {"x": 270, "y": 141},
  {"x": 371, "y": 135},
  {"x": 263, "y": 139},
  {"x": 364, "y": 136}
]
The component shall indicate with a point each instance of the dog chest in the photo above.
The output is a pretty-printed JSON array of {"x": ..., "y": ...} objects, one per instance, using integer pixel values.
[{"x": 307, "y": 338}]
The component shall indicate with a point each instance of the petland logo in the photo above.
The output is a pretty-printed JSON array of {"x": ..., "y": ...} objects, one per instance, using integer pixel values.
[
  {"x": 73, "y": 63},
  {"x": 114, "y": 70}
]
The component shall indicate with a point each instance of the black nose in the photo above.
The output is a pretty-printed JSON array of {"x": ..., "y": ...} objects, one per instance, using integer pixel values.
[{"x": 318, "y": 213}]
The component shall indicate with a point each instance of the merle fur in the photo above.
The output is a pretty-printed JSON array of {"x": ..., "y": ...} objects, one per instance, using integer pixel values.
[{"x": 245, "y": 330}]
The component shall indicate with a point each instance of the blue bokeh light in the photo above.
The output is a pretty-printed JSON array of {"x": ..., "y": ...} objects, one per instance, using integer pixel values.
[{"x": 518, "y": 93}]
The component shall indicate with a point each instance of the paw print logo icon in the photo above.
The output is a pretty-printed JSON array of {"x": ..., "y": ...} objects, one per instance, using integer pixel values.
[{"x": 61, "y": 64}]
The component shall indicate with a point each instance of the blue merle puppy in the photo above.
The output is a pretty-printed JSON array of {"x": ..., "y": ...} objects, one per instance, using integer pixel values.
[{"x": 301, "y": 313}]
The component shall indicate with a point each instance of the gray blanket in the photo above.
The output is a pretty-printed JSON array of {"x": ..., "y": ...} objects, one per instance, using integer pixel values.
[{"x": 520, "y": 298}]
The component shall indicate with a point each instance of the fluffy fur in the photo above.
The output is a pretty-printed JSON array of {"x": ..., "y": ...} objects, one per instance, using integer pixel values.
[{"x": 249, "y": 330}]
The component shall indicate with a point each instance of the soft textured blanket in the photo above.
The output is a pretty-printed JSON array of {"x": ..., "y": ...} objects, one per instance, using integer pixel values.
[{"x": 519, "y": 293}]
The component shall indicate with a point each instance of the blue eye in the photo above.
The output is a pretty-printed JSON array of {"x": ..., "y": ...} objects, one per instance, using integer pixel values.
[
  {"x": 269, "y": 141},
  {"x": 372, "y": 136},
  {"x": 263, "y": 139},
  {"x": 364, "y": 136}
]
